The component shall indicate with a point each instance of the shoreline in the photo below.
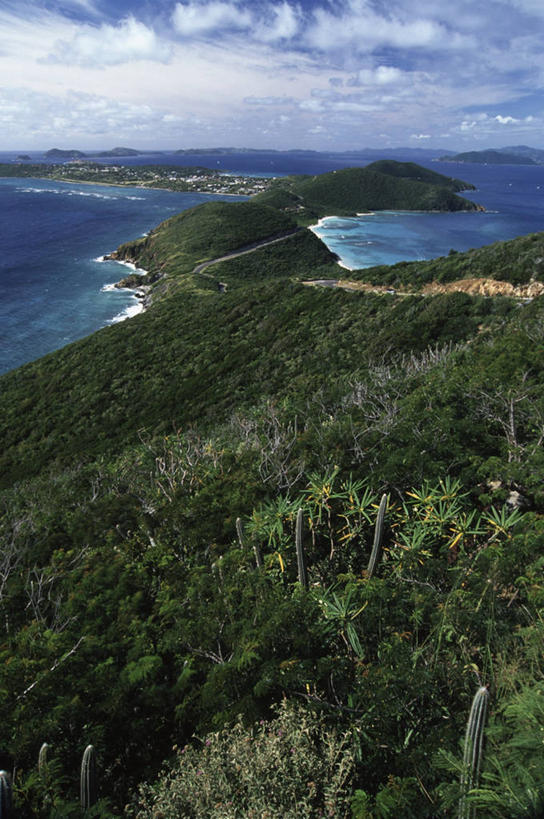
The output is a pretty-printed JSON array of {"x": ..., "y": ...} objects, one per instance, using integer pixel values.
[
  {"x": 139, "y": 293},
  {"x": 125, "y": 185}
]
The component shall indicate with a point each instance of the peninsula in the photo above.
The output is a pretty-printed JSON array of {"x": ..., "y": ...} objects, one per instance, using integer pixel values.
[
  {"x": 210, "y": 231},
  {"x": 166, "y": 177}
]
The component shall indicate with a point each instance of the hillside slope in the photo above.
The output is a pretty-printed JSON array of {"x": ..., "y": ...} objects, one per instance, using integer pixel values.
[
  {"x": 383, "y": 185},
  {"x": 305, "y": 654}
]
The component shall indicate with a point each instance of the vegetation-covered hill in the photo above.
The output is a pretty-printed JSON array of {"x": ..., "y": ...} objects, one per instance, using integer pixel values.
[
  {"x": 204, "y": 233},
  {"x": 489, "y": 157},
  {"x": 301, "y": 664},
  {"x": 383, "y": 185},
  {"x": 511, "y": 155}
]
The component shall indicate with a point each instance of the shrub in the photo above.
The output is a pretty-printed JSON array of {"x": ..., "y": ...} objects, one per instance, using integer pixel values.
[{"x": 292, "y": 767}]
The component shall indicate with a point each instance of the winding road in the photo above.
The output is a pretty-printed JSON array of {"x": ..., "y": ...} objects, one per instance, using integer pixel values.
[{"x": 200, "y": 268}]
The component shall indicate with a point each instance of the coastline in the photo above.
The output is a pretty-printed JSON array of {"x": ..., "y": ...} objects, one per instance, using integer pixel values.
[
  {"x": 129, "y": 185},
  {"x": 139, "y": 293}
]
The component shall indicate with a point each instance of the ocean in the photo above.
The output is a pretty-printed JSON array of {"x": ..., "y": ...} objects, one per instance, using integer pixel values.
[
  {"x": 55, "y": 288},
  {"x": 52, "y": 235}
]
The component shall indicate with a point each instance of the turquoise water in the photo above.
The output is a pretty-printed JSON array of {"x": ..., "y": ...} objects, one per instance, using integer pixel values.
[{"x": 514, "y": 202}]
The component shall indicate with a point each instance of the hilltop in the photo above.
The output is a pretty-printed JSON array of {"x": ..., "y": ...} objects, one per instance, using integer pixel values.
[
  {"x": 164, "y": 600},
  {"x": 382, "y": 185}
]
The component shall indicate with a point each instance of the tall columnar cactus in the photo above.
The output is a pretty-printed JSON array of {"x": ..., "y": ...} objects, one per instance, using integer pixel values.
[
  {"x": 256, "y": 550},
  {"x": 42, "y": 759},
  {"x": 5, "y": 796},
  {"x": 472, "y": 756},
  {"x": 88, "y": 786},
  {"x": 378, "y": 537},
  {"x": 301, "y": 559}
]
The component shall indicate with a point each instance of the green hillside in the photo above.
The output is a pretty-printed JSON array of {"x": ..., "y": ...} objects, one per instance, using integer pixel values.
[
  {"x": 383, "y": 185},
  {"x": 417, "y": 173},
  {"x": 289, "y": 663},
  {"x": 214, "y": 229}
]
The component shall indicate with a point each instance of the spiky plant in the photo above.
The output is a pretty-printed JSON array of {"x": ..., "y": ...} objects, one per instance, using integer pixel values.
[
  {"x": 256, "y": 550},
  {"x": 301, "y": 558},
  {"x": 88, "y": 785},
  {"x": 378, "y": 537},
  {"x": 5, "y": 795},
  {"x": 472, "y": 755}
]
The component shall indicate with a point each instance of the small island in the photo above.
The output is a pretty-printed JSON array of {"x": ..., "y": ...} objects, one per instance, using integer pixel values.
[{"x": 513, "y": 155}]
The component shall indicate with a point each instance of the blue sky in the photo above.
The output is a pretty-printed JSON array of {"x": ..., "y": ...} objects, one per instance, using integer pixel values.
[{"x": 320, "y": 74}]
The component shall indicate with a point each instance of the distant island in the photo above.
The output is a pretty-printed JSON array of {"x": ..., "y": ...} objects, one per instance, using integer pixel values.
[
  {"x": 119, "y": 152},
  {"x": 513, "y": 155},
  {"x": 59, "y": 153}
]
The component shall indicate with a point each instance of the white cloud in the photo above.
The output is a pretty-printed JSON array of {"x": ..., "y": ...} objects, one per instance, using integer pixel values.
[
  {"x": 316, "y": 106},
  {"x": 506, "y": 120},
  {"x": 382, "y": 75},
  {"x": 533, "y": 7},
  {"x": 352, "y": 107},
  {"x": 232, "y": 68},
  {"x": 282, "y": 23},
  {"x": 363, "y": 30},
  {"x": 268, "y": 100},
  {"x": 76, "y": 117},
  {"x": 195, "y": 19},
  {"x": 111, "y": 45}
]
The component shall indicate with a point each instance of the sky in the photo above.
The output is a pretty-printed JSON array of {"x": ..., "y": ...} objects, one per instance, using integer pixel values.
[{"x": 310, "y": 74}]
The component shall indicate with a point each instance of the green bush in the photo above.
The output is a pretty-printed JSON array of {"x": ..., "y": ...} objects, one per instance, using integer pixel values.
[{"x": 292, "y": 767}]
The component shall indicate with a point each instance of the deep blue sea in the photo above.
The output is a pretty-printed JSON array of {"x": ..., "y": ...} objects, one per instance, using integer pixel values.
[{"x": 54, "y": 289}]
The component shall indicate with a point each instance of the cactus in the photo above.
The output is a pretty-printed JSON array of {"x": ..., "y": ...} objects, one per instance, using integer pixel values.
[
  {"x": 378, "y": 535},
  {"x": 88, "y": 790},
  {"x": 301, "y": 560},
  {"x": 42, "y": 759},
  {"x": 472, "y": 755},
  {"x": 5, "y": 795},
  {"x": 256, "y": 550}
]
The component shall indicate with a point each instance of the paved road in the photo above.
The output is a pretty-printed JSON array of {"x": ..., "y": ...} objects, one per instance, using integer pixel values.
[{"x": 199, "y": 269}]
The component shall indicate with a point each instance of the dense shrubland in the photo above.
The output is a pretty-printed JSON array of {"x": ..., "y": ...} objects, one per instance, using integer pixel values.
[{"x": 159, "y": 602}]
